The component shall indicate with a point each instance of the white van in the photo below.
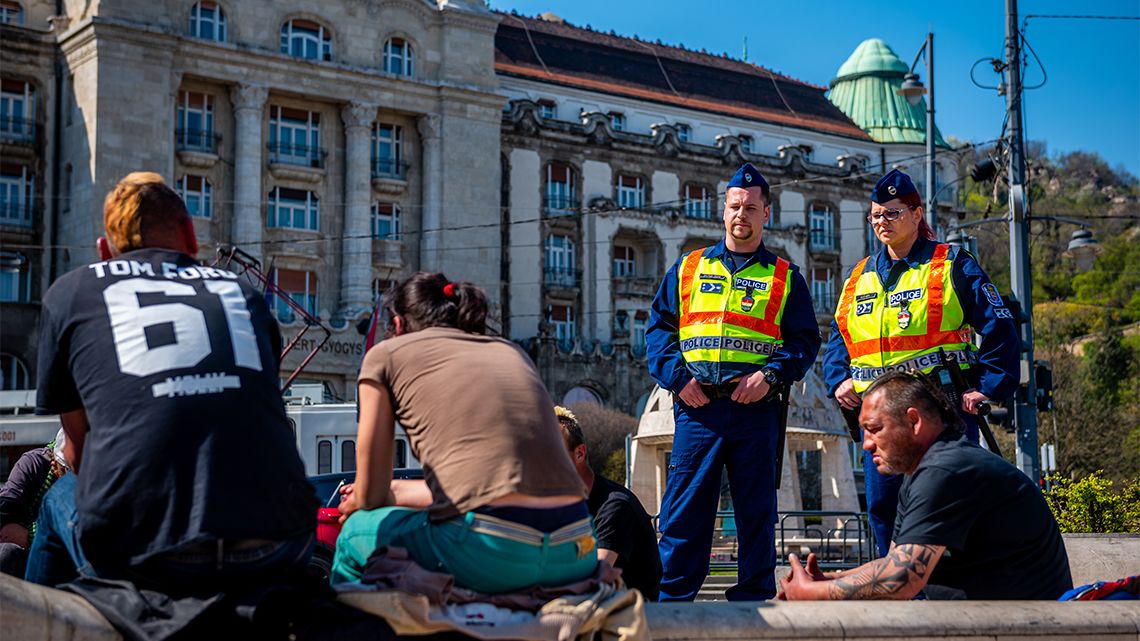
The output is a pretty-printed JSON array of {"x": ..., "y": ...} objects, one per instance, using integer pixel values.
[{"x": 326, "y": 439}]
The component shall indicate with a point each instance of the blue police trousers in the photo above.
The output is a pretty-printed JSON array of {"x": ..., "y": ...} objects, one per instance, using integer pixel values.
[
  {"x": 882, "y": 492},
  {"x": 741, "y": 438}
]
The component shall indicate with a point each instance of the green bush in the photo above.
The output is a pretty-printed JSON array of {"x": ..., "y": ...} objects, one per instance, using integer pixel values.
[{"x": 1091, "y": 505}]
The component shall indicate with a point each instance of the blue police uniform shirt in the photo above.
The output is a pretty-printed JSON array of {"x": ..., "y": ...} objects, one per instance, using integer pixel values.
[
  {"x": 997, "y": 372},
  {"x": 799, "y": 329},
  {"x": 176, "y": 366}
]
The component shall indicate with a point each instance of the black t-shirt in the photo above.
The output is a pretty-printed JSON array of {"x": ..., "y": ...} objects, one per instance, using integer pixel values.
[
  {"x": 176, "y": 365},
  {"x": 1001, "y": 540},
  {"x": 622, "y": 525}
]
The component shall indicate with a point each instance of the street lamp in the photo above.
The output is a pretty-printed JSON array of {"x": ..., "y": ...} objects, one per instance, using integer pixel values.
[{"x": 912, "y": 89}]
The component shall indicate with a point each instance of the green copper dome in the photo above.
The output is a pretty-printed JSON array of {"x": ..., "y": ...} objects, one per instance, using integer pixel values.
[{"x": 864, "y": 89}]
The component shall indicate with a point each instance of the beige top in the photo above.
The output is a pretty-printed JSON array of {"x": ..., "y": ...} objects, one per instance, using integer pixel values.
[{"x": 477, "y": 415}]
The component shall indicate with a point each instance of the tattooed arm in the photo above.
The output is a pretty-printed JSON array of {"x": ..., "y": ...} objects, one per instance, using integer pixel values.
[{"x": 900, "y": 575}]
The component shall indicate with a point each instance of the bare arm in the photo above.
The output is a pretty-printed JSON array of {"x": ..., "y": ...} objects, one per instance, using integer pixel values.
[
  {"x": 411, "y": 493},
  {"x": 75, "y": 426},
  {"x": 900, "y": 575},
  {"x": 609, "y": 556},
  {"x": 376, "y": 437}
]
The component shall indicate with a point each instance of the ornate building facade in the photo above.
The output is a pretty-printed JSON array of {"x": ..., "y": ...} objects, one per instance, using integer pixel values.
[{"x": 323, "y": 140}]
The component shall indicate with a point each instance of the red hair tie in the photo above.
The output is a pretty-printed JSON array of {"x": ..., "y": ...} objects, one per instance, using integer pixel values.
[{"x": 449, "y": 290}]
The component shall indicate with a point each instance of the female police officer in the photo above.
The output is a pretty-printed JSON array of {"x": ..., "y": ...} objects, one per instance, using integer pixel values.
[{"x": 899, "y": 307}]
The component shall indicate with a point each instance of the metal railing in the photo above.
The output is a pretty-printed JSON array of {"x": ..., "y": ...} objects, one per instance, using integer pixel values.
[
  {"x": 387, "y": 168},
  {"x": 823, "y": 304},
  {"x": 17, "y": 214},
  {"x": 838, "y": 546},
  {"x": 303, "y": 155},
  {"x": 560, "y": 205},
  {"x": 197, "y": 140},
  {"x": 13, "y": 129},
  {"x": 822, "y": 241},
  {"x": 566, "y": 277}
]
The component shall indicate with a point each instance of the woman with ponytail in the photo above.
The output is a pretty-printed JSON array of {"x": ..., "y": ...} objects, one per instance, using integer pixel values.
[
  {"x": 900, "y": 308},
  {"x": 501, "y": 507}
]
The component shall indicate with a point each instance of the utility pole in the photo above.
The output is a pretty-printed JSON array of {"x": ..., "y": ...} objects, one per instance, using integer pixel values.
[
  {"x": 931, "y": 190},
  {"x": 1020, "y": 269}
]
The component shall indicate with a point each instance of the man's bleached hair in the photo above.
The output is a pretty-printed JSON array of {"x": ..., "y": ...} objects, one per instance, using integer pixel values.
[{"x": 570, "y": 428}]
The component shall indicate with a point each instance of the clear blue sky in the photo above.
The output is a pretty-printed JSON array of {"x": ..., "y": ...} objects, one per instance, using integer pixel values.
[{"x": 1091, "y": 101}]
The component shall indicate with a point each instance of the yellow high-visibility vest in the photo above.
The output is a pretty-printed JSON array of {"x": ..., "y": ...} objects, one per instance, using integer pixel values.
[
  {"x": 903, "y": 329},
  {"x": 730, "y": 318}
]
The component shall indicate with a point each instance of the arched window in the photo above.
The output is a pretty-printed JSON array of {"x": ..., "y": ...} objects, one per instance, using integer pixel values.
[
  {"x": 398, "y": 57},
  {"x": 306, "y": 39},
  {"x": 11, "y": 12},
  {"x": 581, "y": 394},
  {"x": 208, "y": 21},
  {"x": 324, "y": 457},
  {"x": 348, "y": 456},
  {"x": 13, "y": 374}
]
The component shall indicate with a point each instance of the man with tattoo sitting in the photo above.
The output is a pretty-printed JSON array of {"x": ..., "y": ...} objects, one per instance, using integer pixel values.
[{"x": 970, "y": 525}]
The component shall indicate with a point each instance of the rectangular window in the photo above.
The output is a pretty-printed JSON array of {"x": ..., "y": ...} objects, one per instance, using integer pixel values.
[
  {"x": 295, "y": 137},
  {"x": 293, "y": 209},
  {"x": 561, "y": 197},
  {"x": 745, "y": 143},
  {"x": 17, "y": 187},
  {"x": 195, "y": 126},
  {"x": 562, "y": 317},
  {"x": 301, "y": 287},
  {"x": 698, "y": 202},
  {"x": 15, "y": 278},
  {"x": 387, "y": 151},
  {"x": 822, "y": 228},
  {"x": 617, "y": 121},
  {"x": 548, "y": 109},
  {"x": 11, "y": 12},
  {"x": 637, "y": 330},
  {"x": 630, "y": 192},
  {"x": 561, "y": 261},
  {"x": 684, "y": 132},
  {"x": 17, "y": 107},
  {"x": 822, "y": 291},
  {"x": 625, "y": 262},
  {"x": 198, "y": 195},
  {"x": 386, "y": 221},
  {"x": 208, "y": 21}
]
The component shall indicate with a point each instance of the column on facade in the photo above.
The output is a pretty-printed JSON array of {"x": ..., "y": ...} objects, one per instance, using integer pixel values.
[
  {"x": 249, "y": 107},
  {"x": 432, "y": 221},
  {"x": 356, "y": 246}
]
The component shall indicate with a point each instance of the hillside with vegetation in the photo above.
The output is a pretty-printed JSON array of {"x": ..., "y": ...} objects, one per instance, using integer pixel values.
[{"x": 1086, "y": 314}]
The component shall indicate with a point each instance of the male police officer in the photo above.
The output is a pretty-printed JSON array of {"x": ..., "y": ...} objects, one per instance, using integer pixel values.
[
  {"x": 730, "y": 323},
  {"x": 898, "y": 308}
]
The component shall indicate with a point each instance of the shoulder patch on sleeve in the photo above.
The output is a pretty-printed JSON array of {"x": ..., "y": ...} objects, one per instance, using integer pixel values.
[{"x": 992, "y": 295}]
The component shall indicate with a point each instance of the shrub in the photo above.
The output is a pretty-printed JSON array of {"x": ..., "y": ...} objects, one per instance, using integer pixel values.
[
  {"x": 1091, "y": 505},
  {"x": 605, "y": 432}
]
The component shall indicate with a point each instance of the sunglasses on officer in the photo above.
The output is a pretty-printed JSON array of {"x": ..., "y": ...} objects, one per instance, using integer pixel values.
[{"x": 890, "y": 215}]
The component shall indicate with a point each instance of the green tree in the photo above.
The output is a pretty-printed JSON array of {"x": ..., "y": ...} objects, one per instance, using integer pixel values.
[
  {"x": 1114, "y": 281},
  {"x": 1091, "y": 505}
]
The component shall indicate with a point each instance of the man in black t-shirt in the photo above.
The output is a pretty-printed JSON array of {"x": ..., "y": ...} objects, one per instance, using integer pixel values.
[
  {"x": 625, "y": 535},
  {"x": 164, "y": 374},
  {"x": 970, "y": 525}
]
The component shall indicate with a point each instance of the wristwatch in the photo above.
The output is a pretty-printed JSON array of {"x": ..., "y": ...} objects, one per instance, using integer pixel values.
[{"x": 771, "y": 376}]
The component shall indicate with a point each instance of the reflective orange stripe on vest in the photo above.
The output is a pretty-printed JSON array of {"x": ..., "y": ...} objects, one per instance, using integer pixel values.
[
  {"x": 934, "y": 337},
  {"x": 763, "y": 325}
]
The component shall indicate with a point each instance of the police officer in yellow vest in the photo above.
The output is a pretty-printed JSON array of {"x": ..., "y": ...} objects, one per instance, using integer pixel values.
[
  {"x": 728, "y": 323},
  {"x": 898, "y": 308}
]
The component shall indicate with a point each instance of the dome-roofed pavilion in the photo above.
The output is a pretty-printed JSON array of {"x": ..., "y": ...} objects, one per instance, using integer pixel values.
[{"x": 864, "y": 89}]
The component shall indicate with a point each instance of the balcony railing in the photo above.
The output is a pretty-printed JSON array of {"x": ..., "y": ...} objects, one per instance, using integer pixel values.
[
  {"x": 565, "y": 277},
  {"x": 203, "y": 140},
  {"x": 823, "y": 303},
  {"x": 822, "y": 241},
  {"x": 14, "y": 129},
  {"x": 560, "y": 206},
  {"x": 17, "y": 214},
  {"x": 387, "y": 168},
  {"x": 302, "y": 155}
]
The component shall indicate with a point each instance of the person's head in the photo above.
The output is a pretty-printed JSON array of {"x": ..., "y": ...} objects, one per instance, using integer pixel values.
[
  {"x": 902, "y": 415},
  {"x": 429, "y": 299},
  {"x": 142, "y": 211},
  {"x": 573, "y": 437},
  {"x": 897, "y": 216},
  {"x": 747, "y": 206}
]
